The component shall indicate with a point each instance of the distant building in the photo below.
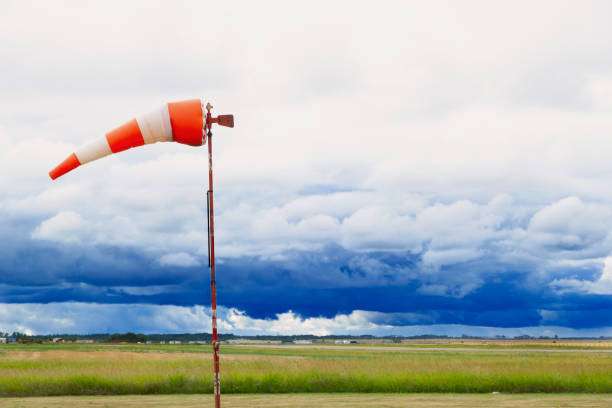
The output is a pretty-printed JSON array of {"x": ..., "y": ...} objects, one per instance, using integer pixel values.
[
  {"x": 84, "y": 341},
  {"x": 58, "y": 340},
  {"x": 2, "y": 340},
  {"x": 302, "y": 341},
  {"x": 12, "y": 340}
]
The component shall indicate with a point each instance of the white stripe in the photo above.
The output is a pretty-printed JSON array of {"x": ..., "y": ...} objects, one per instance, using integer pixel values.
[
  {"x": 155, "y": 126},
  {"x": 93, "y": 150}
]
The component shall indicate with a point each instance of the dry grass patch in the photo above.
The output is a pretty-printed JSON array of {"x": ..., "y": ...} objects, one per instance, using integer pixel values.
[{"x": 119, "y": 355}]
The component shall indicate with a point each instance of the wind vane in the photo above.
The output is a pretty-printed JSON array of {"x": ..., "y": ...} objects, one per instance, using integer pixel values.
[{"x": 182, "y": 122}]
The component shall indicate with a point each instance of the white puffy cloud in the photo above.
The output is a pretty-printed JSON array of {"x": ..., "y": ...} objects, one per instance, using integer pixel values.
[
  {"x": 570, "y": 223},
  {"x": 66, "y": 226}
]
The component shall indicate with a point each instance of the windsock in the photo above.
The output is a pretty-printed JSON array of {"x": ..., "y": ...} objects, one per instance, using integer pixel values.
[{"x": 181, "y": 122}]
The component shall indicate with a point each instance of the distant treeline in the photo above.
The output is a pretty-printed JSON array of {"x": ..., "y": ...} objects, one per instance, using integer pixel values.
[{"x": 207, "y": 337}]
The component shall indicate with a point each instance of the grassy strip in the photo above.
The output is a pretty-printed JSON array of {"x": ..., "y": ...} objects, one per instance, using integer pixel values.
[
  {"x": 99, "y": 385},
  {"x": 293, "y": 370},
  {"x": 413, "y": 383},
  {"x": 307, "y": 382}
]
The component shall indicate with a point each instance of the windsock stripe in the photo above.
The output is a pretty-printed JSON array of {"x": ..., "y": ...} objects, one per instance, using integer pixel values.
[
  {"x": 70, "y": 163},
  {"x": 155, "y": 126},
  {"x": 94, "y": 150},
  {"x": 125, "y": 137}
]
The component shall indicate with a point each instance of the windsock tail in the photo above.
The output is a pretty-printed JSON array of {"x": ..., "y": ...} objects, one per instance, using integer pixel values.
[
  {"x": 124, "y": 137},
  {"x": 180, "y": 122},
  {"x": 70, "y": 163}
]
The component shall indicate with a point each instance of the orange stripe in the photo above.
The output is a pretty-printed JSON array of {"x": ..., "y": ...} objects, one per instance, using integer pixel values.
[
  {"x": 70, "y": 163},
  {"x": 187, "y": 121},
  {"x": 125, "y": 137}
]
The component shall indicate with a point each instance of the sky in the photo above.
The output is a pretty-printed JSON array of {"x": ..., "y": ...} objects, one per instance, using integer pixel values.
[{"x": 398, "y": 168}]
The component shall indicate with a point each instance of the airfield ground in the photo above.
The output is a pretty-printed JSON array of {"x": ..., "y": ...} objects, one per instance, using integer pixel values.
[{"x": 309, "y": 375}]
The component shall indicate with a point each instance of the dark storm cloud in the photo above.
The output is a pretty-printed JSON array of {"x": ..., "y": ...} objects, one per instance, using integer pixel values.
[{"x": 325, "y": 283}]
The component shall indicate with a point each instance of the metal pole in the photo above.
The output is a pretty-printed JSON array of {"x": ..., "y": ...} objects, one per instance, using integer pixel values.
[{"x": 213, "y": 287}]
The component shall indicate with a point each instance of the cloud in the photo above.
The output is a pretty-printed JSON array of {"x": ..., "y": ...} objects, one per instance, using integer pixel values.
[
  {"x": 462, "y": 250},
  {"x": 178, "y": 259},
  {"x": 570, "y": 224},
  {"x": 66, "y": 226},
  {"x": 600, "y": 286}
]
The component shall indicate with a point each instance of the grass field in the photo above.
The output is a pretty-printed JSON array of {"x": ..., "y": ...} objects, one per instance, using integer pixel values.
[
  {"x": 320, "y": 400},
  {"x": 46, "y": 370}
]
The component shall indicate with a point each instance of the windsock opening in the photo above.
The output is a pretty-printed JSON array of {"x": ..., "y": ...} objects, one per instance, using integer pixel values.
[{"x": 187, "y": 120}]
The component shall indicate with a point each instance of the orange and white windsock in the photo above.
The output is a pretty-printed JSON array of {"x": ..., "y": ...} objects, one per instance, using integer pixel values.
[{"x": 181, "y": 122}]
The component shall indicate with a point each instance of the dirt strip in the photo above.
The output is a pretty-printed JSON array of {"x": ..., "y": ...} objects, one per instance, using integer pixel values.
[{"x": 321, "y": 400}]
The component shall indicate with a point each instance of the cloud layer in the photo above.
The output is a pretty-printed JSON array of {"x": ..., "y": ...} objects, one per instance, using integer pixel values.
[{"x": 72, "y": 317}]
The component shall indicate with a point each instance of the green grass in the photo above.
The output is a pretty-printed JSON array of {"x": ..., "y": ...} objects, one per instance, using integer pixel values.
[{"x": 40, "y": 370}]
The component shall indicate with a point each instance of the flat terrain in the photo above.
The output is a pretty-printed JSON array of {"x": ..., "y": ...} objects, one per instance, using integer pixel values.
[
  {"x": 509, "y": 344},
  {"x": 320, "y": 400},
  {"x": 98, "y": 369},
  {"x": 430, "y": 348}
]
